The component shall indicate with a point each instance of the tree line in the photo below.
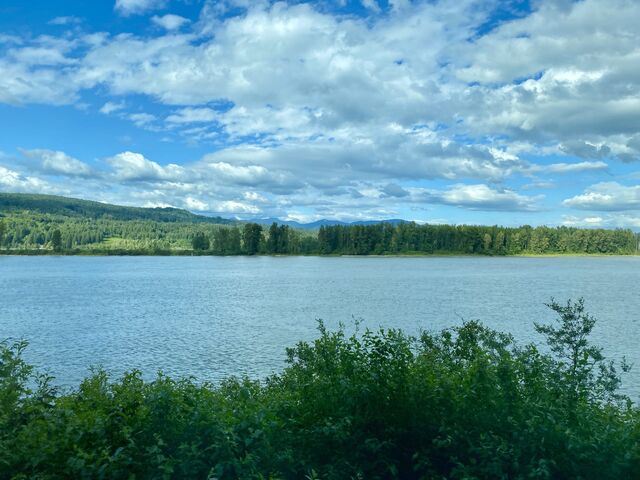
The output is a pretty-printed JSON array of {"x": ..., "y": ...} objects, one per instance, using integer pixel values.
[
  {"x": 27, "y": 231},
  {"x": 410, "y": 237}
]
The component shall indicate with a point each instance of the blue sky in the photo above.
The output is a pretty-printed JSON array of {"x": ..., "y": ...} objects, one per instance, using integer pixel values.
[{"x": 492, "y": 112}]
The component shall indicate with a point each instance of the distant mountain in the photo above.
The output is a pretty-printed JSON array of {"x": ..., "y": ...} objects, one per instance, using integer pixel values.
[
  {"x": 324, "y": 222},
  {"x": 73, "y": 207}
]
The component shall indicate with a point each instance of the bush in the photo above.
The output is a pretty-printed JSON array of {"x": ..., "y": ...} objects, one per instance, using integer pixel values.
[{"x": 463, "y": 403}]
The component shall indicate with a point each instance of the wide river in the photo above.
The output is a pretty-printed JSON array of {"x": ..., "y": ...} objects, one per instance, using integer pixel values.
[{"x": 211, "y": 317}]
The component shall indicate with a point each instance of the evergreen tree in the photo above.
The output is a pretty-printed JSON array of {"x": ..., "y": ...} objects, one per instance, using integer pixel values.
[
  {"x": 56, "y": 240},
  {"x": 273, "y": 240},
  {"x": 252, "y": 238},
  {"x": 234, "y": 244},
  {"x": 200, "y": 242},
  {"x": 279, "y": 239}
]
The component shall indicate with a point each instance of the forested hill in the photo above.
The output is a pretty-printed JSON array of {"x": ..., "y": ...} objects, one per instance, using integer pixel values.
[
  {"x": 73, "y": 207},
  {"x": 49, "y": 224}
]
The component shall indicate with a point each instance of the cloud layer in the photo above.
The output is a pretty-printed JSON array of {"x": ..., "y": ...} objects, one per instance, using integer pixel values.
[{"x": 305, "y": 110}]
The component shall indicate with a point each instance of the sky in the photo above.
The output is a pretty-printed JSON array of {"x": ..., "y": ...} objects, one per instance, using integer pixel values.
[{"x": 452, "y": 111}]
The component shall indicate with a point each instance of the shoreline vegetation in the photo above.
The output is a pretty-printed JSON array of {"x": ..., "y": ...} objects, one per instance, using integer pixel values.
[
  {"x": 466, "y": 402},
  {"x": 45, "y": 225},
  {"x": 192, "y": 253}
]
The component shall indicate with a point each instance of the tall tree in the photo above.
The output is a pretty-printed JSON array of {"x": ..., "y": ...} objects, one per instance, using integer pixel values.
[
  {"x": 273, "y": 240},
  {"x": 56, "y": 240},
  {"x": 252, "y": 238}
]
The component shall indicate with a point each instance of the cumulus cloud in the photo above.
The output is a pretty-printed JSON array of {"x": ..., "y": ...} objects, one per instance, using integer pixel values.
[
  {"x": 302, "y": 105},
  {"x": 483, "y": 197},
  {"x": 618, "y": 220},
  {"x": 561, "y": 74},
  {"x": 57, "y": 162},
  {"x": 253, "y": 196},
  {"x": 19, "y": 85},
  {"x": 324, "y": 71},
  {"x": 607, "y": 196},
  {"x": 248, "y": 175},
  {"x": 13, "y": 181},
  {"x": 232, "y": 206},
  {"x": 130, "y": 166},
  {"x": 195, "y": 204},
  {"x": 316, "y": 69}
]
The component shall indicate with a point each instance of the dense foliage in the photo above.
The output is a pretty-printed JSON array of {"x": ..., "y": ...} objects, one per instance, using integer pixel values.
[
  {"x": 464, "y": 403},
  {"x": 60, "y": 225},
  {"x": 28, "y": 232},
  {"x": 73, "y": 207},
  {"x": 470, "y": 239}
]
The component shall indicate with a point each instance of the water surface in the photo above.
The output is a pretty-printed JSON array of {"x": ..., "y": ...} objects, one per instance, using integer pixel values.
[{"x": 212, "y": 317}]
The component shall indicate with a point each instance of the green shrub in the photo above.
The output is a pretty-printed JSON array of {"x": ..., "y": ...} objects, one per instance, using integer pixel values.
[{"x": 463, "y": 403}]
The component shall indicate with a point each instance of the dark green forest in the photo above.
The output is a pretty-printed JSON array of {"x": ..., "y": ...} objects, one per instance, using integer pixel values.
[
  {"x": 40, "y": 224},
  {"x": 86, "y": 209},
  {"x": 464, "y": 403},
  {"x": 470, "y": 239}
]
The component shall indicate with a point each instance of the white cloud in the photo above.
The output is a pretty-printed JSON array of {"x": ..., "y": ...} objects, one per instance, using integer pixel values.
[
  {"x": 607, "y": 196},
  {"x": 571, "y": 167},
  {"x": 170, "y": 21},
  {"x": 281, "y": 55},
  {"x": 482, "y": 197},
  {"x": 371, "y": 5},
  {"x": 563, "y": 74},
  {"x": 231, "y": 206},
  {"x": 253, "y": 196},
  {"x": 617, "y": 220},
  {"x": 195, "y": 204},
  {"x": 151, "y": 204},
  {"x": 135, "y": 7},
  {"x": 57, "y": 162},
  {"x": 110, "y": 107},
  {"x": 293, "y": 70},
  {"x": 571, "y": 221},
  {"x": 16, "y": 182},
  {"x": 142, "y": 120},
  {"x": 41, "y": 87},
  {"x": 44, "y": 51},
  {"x": 130, "y": 166},
  {"x": 243, "y": 174},
  {"x": 192, "y": 115},
  {"x": 248, "y": 175},
  {"x": 320, "y": 109}
]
